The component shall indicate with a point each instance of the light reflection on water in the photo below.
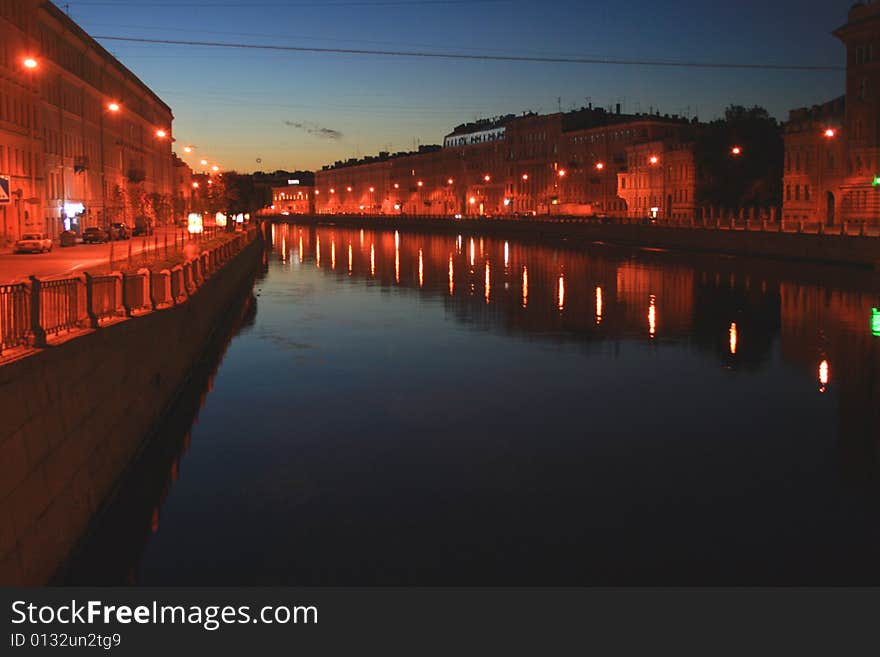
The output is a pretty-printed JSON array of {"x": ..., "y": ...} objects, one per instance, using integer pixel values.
[{"x": 578, "y": 416}]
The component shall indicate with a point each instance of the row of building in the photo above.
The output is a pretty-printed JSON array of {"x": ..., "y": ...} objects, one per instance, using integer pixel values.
[
  {"x": 83, "y": 141},
  {"x": 603, "y": 162}
]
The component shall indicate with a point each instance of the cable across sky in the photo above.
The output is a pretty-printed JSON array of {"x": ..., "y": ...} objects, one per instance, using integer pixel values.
[{"x": 482, "y": 57}]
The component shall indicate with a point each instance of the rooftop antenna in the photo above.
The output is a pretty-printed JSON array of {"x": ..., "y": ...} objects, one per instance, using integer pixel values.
[{"x": 559, "y": 103}]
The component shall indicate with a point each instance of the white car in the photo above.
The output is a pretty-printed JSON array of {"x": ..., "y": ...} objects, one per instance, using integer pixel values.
[{"x": 33, "y": 243}]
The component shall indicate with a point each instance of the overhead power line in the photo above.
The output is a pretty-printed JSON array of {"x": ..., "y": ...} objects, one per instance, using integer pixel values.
[
  {"x": 482, "y": 57},
  {"x": 290, "y": 5}
]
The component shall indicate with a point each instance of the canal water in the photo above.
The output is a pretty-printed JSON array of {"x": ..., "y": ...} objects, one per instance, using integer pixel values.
[{"x": 415, "y": 408}]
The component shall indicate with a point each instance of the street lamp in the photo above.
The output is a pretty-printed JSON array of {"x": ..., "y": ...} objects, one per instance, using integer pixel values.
[
  {"x": 600, "y": 166},
  {"x": 654, "y": 160},
  {"x": 830, "y": 133},
  {"x": 487, "y": 178},
  {"x": 161, "y": 134},
  {"x": 736, "y": 151},
  {"x": 113, "y": 107},
  {"x": 30, "y": 64}
]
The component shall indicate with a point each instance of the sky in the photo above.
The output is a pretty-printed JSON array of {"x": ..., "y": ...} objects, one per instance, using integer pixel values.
[{"x": 250, "y": 110}]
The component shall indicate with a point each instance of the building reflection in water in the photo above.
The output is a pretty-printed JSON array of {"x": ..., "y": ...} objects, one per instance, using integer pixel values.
[
  {"x": 737, "y": 318},
  {"x": 601, "y": 295}
]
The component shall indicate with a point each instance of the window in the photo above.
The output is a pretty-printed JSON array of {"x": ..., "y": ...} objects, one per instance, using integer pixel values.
[{"x": 806, "y": 192}]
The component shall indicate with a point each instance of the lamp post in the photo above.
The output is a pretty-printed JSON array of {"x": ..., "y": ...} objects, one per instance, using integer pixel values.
[
  {"x": 829, "y": 134},
  {"x": 30, "y": 65},
  {"x": 654, "y": 161}
]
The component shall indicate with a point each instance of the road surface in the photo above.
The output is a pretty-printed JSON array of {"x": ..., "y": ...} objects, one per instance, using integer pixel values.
[{"x": 70, "y": 260}]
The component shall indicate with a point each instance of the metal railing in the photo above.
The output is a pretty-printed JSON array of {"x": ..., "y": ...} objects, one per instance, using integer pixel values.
[
  {"x": 735, "y": 222},
  {"x": 15, "y": 319},
  {"x": 33, "y": 311},
  {"x": 136, "y": 292},
  {"x": 61, "y": 304},
  {"x": 105, "y": 297}
]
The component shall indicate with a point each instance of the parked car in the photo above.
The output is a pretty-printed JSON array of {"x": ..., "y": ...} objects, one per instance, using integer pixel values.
[
  {"x": 67, "y": 238},
  {"x": 33, "y": 243},
  {"x": 119, "y": 231},
  {"x": 95, "y": 235}
]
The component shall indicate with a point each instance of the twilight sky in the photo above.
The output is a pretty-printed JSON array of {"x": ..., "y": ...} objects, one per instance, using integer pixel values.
[{"x": 304, "y": 110}]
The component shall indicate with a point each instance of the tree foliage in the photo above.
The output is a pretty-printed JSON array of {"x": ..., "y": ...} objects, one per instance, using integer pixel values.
[{"x": 753, "y": 178}]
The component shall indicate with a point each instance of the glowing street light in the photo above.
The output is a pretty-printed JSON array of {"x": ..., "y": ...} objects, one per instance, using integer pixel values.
[
  {"x": 215, "y": 168},
  {"x": 113, "y": 107},
  {"x": 195, "y": 185},
  {"x": 600, "y": 165},
  {"x": 525, "y": 176},
  {"x": 420, "y": 184},
  {"x": 30, "y": 63},
  {"x": 487, "y": 177},
  {"x": 348, "y": 189},
  {"x": 396, "y": 185},
  {"x": 204, "y": 163},
  {"x": 472, "y": 200},
  {"x": 736, "y": 151},
  {"x": 372, "y": 189},
  {"x": 161, "y": 134},
  {"x": 187, "y": 149},
  {"x": 830, "y": 133},
  {"x": 654, "y": 160},
  {"x": 562, "y": 173}
]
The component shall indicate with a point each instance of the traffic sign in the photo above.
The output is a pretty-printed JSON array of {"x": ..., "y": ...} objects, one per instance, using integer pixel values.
[{"x": 4, "y": 190}]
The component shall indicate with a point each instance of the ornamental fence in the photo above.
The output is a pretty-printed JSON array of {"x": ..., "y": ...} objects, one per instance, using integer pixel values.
[{"x": 34, "y": 311}]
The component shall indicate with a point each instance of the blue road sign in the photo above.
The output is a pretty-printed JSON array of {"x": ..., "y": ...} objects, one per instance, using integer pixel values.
[{"x": 4, "y": 190}]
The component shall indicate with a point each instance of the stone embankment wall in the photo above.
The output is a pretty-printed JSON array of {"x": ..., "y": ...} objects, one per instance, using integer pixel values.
[
  {"x": 75, "y": 414},
  {"x": 849, "y": 249}
]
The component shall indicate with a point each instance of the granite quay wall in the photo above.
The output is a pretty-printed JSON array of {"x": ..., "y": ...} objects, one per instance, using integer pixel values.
[
  {"x": 790, "y": 241},
  {"x": 78, "y": 399}
]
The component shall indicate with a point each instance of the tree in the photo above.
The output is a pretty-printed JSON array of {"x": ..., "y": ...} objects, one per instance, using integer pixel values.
[{"x": 753, "y": 177}]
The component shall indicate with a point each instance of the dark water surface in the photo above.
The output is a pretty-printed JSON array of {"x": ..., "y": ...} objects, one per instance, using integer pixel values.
[{"x": 435, "y": 409}]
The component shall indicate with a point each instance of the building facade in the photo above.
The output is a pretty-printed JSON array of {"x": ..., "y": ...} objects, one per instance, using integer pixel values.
[
  {"x": 660, "y": 181},
  {"x": 832, "y": 151},
  {"x": 295, "y": 198},
  {"x": 564, "y": 163},
  {"x": 83, "y": 141}
]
